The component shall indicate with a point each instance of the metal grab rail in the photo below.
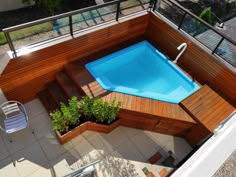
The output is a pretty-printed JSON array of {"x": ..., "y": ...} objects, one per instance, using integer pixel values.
[{"x": 76, "y": 172}]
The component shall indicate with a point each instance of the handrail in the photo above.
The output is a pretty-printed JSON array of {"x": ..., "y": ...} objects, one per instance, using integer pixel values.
[
  {"x": 67, "y": 14},
  {"x": 81, "y": 168},
  {"x": 202, "y": 21}
]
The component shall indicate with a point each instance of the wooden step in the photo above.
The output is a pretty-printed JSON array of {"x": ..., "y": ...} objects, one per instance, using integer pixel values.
[
  {"x": 46, "y": 99},
  {"x": 84, "y": 80},
  {"x": 68, "y": 85},
  {"x": 57, "y": 93}
]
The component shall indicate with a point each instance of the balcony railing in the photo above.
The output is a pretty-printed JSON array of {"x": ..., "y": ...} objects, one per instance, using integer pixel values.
[
  {"x": 211, "y": 37},
  {"x": 68, "y": 24}
]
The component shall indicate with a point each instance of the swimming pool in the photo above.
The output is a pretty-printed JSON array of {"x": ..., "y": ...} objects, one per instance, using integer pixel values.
[{"x": 142, "y": 70}]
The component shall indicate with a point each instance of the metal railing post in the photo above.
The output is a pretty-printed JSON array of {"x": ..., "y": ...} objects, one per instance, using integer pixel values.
[
  {"x": 182, "y": 20},
  {"x": 11, "y": 46},
  {"x": 118, "y": 11},
  {"x": 71, "y": 26},
  {"x": 218, "y": 45},
  {"x": 154, "y": 4}
]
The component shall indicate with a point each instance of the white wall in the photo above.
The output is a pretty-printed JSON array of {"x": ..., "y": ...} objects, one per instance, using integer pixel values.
[
  {"x": 6, "y": 5},
  {"x": 209, "y": 158}
]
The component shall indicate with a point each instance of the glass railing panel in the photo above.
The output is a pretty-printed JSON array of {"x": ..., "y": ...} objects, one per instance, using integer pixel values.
[
  {"x": 131, "y": 6},
  {"x": 227, "y": 51},
  {"x": 39, "y": 33},
  {"x": 193, "y": 26},
  {"x": 94, "y": 17},
  {"x": 4, "y": 47},
  {"x": 170, "y": 11},
  {"x": 201, "y": 32}
]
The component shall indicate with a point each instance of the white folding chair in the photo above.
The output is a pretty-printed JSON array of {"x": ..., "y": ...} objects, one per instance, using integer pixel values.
[{"x": 16, "y": 117}]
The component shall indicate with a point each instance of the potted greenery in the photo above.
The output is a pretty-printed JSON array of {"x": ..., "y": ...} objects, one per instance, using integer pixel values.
[
  {"x": 105, "y": 115},
  {"x": 98, "y": 115},
  {"x": 66, "y": 119},
  {"x": 85, "y": 108}
]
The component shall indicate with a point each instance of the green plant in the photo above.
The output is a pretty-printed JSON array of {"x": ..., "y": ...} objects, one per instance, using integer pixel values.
[
  {"x": 58, "y": 121},
  {"x": 206, "y": 15},
  {"x": 51, "y": 5},
  {"x": 26, "y": 32},
  {"x": 73, "y": 107},
  {"x": 66, "y": 117},
  {"x": 105, "y": 112},
  {"x": 86, "y": 106},
  {"x": 2, "y": 38}
]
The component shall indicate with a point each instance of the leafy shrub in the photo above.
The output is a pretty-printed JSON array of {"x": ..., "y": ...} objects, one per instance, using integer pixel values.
[
  {"x": 58, "y": 121},
  {"x": 2, "y": 38},
  {"x": 105, "y": 112},
  {"x": 73, "y": 106},
  {"x": 86, "y": 106},
  {"x": 66, "y": 117}
]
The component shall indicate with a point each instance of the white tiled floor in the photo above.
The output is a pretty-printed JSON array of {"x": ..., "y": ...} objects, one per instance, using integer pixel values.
[{"x": 123, "y": 152}]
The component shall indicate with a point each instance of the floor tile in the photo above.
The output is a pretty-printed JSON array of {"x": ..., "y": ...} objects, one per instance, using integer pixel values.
[
  {"x": 115, "y": 137},
  {"x": 99, "y": 143},
  {"x": 87, "y": 152},
  {"x": 129, "y": 132},
  {"x": 145, "y": 145},
  {"x": 159, "y": 138},
  {"x": 3, "y": 149},
  {"x": 20, "y": 140},
  {"x": 52, "y": 147},
  {"x": 42, "y": 172},
  {"x": 34, "y": 108},
  {"x": 106, "y": 167},
  {"x": 129, "y": 151},
  {"x": 67, "y": 162},
  {"x": 30, "y": 159},
  {"x": 41, "y": 125},
  {"x": 121, "y": 164},
  {"x": 179, "y": 147},
  {"x": 7, "y": 168}
]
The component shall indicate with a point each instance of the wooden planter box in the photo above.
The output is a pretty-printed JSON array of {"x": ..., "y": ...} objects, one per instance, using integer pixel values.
[
  {"x": 103, "y": 128},
  {"x": 86, "y": 126},
  {"x": 71, "y": 134}
]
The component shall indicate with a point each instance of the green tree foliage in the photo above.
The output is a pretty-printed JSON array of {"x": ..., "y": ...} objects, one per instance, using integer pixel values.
[
  {"x": 86, "y": 106},
  {"x": 51, "y": 5},
  {"x": 65, "y": 117},
  {"x": 105, "y": 112},
  {"x": 206, "y": 15}
]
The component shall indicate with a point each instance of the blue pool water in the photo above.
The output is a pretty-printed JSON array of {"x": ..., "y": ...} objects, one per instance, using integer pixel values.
[{"x": 142, "y": 70}]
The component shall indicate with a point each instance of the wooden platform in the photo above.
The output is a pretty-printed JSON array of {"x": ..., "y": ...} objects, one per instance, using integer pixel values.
[
  {"x": 145, "y": 113},
  {"x": 207, "y": 107}
]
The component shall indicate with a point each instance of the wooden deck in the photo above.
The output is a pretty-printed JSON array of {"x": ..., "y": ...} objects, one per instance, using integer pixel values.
[
  {"x": 207, "y": 107},
  {"x": 148, "y": 114}
]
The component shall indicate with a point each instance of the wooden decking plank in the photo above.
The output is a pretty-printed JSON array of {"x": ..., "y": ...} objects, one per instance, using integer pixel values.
[
  {"x": 207, "y": 103},
  {"x": 210, "y": 110},
  {"x": 219, "y": 113},
  {"x": 213, "y": 123},
  {"x": 196, "y": 96},
  {"x": 88, "y": 84},
  {"x": 200, "y": 98},
  {"x": 205, "y": 109}
]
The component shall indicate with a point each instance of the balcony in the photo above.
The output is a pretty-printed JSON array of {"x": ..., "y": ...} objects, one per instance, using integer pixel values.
[{"x": 48, "y": 64}]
